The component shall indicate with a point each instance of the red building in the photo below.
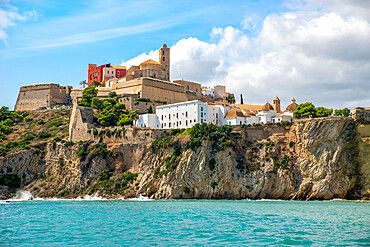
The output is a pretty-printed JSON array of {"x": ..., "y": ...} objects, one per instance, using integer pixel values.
[{"x": 103, "y": 72}]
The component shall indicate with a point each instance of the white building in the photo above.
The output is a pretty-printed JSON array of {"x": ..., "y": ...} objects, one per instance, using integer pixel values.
[
  {"x": 208, "y": 91},
  {"x": 291, "y": 108},
  {"x": 266, "y": 114},
  {"x": 187, "y": 114},
  {"x": 147, "y": 121},
  {"x": 281, "y": 118}
]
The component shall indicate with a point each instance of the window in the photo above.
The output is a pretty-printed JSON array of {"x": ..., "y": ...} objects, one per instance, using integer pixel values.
[
  {"x": 169, "y": 125},
  {"x": 162, "y": 52},
  {"x": 118, "y": 73},
  {"x": 186, "y": 114},
  {"x": 186, "y": 122},
  {"x": 169, "y": 116},
  {"x": 162, "y": 117},
  {"x": 201, "y": 108},
  {"x": 163, "y": 58},
  {"x": 190, "y": 121},
  {"x": 201, "y": 120},
  {"x": 201, "y": 114}
]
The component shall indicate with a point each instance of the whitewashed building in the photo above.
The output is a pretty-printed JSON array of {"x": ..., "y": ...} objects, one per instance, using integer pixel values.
[
  {"x": 266, "y": 113},
  {"x": 187, "y": 114},
  {"x": 147, "y": 121},
  {"x": 281, "y": 118}
]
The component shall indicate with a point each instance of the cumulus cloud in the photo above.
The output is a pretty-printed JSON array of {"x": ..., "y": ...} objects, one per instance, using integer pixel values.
[
  {"x": 10, "y": 17},
  {"x": 313, "y": 55}
]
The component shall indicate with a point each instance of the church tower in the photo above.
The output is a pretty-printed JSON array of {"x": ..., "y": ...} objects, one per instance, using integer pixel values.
[
  {"x": 276, "y": 105},
  {"x": 164, "y": 59}
]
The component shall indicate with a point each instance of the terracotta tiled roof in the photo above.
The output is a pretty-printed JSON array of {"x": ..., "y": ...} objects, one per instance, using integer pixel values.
[
  {"x": 249, "y": 107},
  {"x": 249, "y": 114},
  {"x": 291, "y": 107},
  {"x": 150, "y": 61},
  {"x": 267, "y": 107},
  {"x": 234, "y": 113},
  {"x": 277, "y": 98}
]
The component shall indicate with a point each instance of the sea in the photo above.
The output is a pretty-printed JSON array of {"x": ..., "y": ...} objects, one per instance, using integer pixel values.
[{"x": 143, "y": 222}]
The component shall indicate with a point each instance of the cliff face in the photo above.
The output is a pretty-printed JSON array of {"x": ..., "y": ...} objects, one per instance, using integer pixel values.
[
  {"x": 321, "y": 164},
  {"x": 317, "y": 159}
]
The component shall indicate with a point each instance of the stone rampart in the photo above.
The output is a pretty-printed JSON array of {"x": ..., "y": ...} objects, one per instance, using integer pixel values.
[{"x": 33, "y": 97}]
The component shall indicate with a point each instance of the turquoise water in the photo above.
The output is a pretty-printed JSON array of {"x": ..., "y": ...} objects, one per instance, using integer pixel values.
[{"x": 184, "y": 223}]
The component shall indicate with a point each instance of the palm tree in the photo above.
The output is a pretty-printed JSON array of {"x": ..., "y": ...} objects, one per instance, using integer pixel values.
[
  {"x": 96, "y": 83},
  {"x": 83, "y": 83}
]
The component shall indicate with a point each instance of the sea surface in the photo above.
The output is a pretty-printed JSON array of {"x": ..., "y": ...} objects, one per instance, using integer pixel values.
[{"x": 184, "y": 223}]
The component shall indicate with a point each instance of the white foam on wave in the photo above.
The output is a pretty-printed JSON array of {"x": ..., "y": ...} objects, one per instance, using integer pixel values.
[{"x": 141, "y": 198}]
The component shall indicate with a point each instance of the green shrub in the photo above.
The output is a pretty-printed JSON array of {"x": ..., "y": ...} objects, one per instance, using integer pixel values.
[
  {"x": 28, "y": 119},
  {"x": 186, "y": 190},
  {"x": 10, "y": 180},
  {"x": 105, "y": 175},
  {"x": 291, "y": 144},
  {"x": 100, "y": 149},
  {"x": 40, "y": 122},
  {"x": 43, "y": 134},
  {"x": 213, "y": 185},
  {"x": 95, "y": 132},
  {"x": 30, "y": 136},
  {"x": 82, "y": 152},
  {"x": 212, "y": 164},
  {"x": 143, "y": 100},
  {"x": 284, "y": 162},
  {"x": 56, "y": 123},
  {"x": 112, "y": 94}
]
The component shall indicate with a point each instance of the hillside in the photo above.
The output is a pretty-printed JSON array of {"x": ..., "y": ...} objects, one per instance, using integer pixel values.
[
  {"x": 35, "y": 129},
  {"x": 315, "y": 159}
]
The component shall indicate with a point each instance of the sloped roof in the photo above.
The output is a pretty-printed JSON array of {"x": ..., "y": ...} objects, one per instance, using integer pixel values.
[
  {"x": 249, "y": 107},
  {"x": 277, "y": 98},
  {"x": 267, "y": 107},
  {"x": 249, "y": 114},
  {"x": 291, "y": 107},
  {"x": 150, "y": 61},
  {"x": 234, "y": 113}
]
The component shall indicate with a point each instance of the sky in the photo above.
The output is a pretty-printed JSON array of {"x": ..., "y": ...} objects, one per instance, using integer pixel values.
[{"x": 313, "y": 50}]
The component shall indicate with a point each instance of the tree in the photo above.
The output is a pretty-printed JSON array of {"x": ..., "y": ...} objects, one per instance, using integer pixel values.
[
  {"x": 241, "y": 99},
  {"x": 323, "y": 112},
  {"x": 305, "y": 110},
  {"x": 112, "y": 94},
  {"x": 83, "y": 83},
  {"x": 230, "y": 99},
  {"x": 128, "y": 118},
  {"x": 150, "y": 109},
  {"x": 342, "y": 112},
  {"x": 87, "y": 95},
  {"x": 96, "y": 83}
]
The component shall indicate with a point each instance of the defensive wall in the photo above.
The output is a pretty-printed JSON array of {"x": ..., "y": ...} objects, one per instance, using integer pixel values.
[
  {"x": 33, "y": 97},
  {"x": 81, "y": 128}
]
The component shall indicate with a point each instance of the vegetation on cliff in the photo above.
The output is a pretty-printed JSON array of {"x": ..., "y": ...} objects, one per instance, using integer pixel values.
[
  {"x": 23, "y": 130},
  {"x": 110, "y": 112}
]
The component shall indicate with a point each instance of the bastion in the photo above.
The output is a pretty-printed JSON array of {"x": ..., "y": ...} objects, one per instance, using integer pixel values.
[{"x": 32, "y": 97}]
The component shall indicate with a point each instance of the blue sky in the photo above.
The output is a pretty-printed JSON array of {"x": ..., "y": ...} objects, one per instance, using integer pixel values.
[{"x": 53, "y": 41}]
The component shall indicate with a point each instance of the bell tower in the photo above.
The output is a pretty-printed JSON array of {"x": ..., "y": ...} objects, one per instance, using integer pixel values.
[
  {"x": 164, "y": 59},
  {"x": 276, "y": 104}
]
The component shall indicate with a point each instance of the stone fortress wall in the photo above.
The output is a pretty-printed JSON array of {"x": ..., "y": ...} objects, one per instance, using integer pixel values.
[{"x": 33, "y": 97}]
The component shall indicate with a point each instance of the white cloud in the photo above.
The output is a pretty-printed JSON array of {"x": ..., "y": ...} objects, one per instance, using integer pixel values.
[
  {"x": 313, "y": 55},
  {"x": 10, "y": 16}
]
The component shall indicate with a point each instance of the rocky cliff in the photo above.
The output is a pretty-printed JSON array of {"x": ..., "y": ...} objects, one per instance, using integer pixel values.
[{"x": 313, "y": 159}]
